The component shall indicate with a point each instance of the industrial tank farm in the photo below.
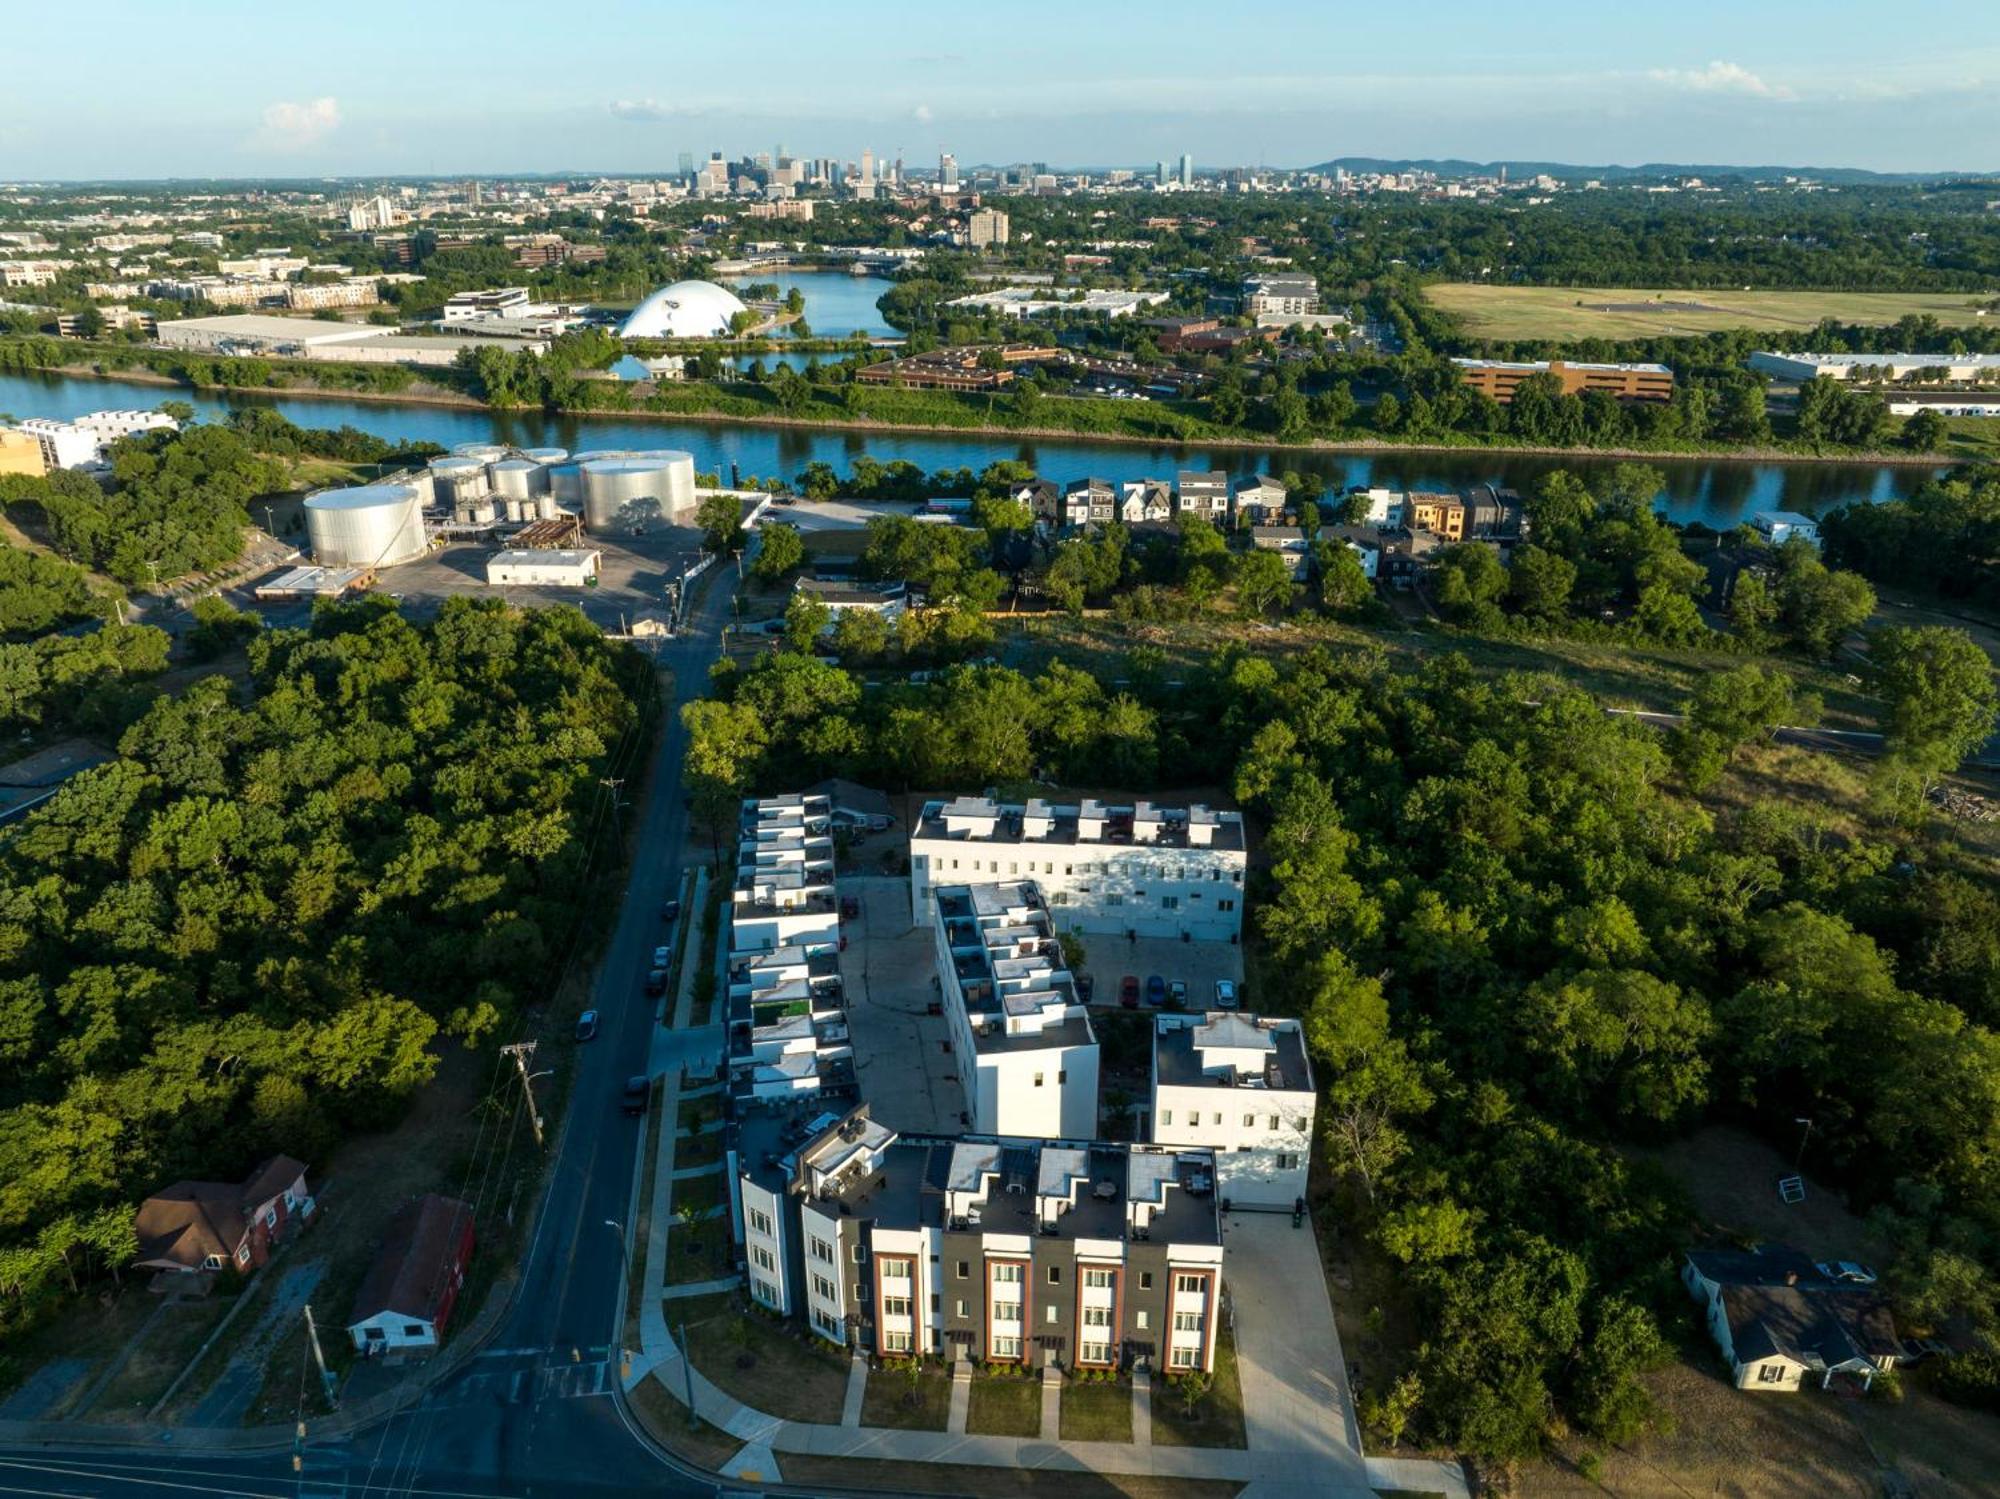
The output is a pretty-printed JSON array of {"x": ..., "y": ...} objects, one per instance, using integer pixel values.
[
  {"x": 374, "y": 525},
  {"x": 633, "y": 488}
]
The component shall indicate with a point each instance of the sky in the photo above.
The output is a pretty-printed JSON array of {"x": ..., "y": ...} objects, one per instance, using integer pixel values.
[{"x": 225, "y": 88}]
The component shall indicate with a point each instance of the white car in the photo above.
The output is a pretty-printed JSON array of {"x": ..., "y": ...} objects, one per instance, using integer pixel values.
[
  {"x": 663, "y": 957},
  {"x": 1225, "y": 994}
]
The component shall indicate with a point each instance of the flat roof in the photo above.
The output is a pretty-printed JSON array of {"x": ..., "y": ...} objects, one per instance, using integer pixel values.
[
  {"x": 543, "y": 556},
  {"x": 1166, "y": 827},
  {"x": 1179, "y": 1043}
]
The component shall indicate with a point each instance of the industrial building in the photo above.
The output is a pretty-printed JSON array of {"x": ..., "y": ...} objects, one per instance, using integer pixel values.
[
  {"x": 310, "y": 338},
  {"x": 1141, "y": 870},
  {"x": 1021, "y": 1037},
  {"x": 1781, "y": 526},
  {"x": 544, "y": 568},
  {"x": 1066, "y": 1254},
  {"x": 1500, "y": 378},
  {"x": 687, "y": 309},
  {"x": 372, "y": 525},
  {"x": 1880, "y": 369},
  {"x": 1242, "y": 1086}
]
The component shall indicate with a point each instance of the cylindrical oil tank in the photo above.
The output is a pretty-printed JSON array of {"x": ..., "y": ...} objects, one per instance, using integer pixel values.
[
  {"x": 458, "y": 480},
  {"x": 545, "y": 455},
  {"x": 679, "y": 500},
  {"x": 372, "y": 525},
  {"x": 481, "y": 452},
  {"x": 624, "y": 491},
  {"x": 546, "y": 507},
  {"x": 420, "y": 480},
  {"x": 517, "y": 478}
]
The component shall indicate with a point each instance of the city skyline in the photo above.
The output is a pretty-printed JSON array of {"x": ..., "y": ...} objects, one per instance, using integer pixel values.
[{"x": 625, "y": 89}]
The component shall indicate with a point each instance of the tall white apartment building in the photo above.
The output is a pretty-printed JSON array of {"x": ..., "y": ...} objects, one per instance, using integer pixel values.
[
  {"x": 987, "y": 227},
  {"x": 1239, "y": 1085},
  {"x": 783, "y": 896},
  {"x": 1026, "y": 1053},
  {"x": 1142, "y": 870},
  {"x": 80, "y": 443}
]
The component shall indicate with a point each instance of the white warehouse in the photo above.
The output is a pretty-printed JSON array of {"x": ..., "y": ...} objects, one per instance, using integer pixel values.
[
  {"x": 543, "y": 568},
  {"x": 1141, "y": 870},
  {"x": 1027, "y": 1056},
  {"x": 1239, "y": 1085}
]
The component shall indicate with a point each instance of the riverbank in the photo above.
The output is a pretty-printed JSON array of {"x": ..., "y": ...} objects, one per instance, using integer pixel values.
[{"x": 1362, "y": 446}]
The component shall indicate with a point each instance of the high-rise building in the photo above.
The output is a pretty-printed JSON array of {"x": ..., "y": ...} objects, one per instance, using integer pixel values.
[
  {"x": 948, "y": 172},
  {"x": 1187, "y": 170},
  {"x": 687, "y": 167},
  {"x": 987, "y": 227},
  {"x": 1160, "y": 174}
]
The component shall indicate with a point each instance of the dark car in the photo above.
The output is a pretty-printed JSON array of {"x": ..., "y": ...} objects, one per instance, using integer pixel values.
[
  {"x": 638, "y": 1093},
  {"x": 671, "y": 911},
  {"x": 586, "y": 1026},
  {"x": 1128, "y": 991},
  {"x": 1156, "y": 991},
  {"x": 656, "y": 982}
]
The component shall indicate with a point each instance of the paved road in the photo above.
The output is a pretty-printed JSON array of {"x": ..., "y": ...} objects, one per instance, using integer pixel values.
[{"x": 534, "y": 1412}]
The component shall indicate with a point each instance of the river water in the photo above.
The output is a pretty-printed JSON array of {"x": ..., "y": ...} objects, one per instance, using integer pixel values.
[
  {"x": 1716, "y": 492},
  {"x": 837, "y": 304}
]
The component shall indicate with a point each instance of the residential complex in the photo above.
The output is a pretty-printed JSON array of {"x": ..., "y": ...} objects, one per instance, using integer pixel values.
[
  {"x": 1240, "y": 1085},
  {"x": 1500, "y": 378},
  {"x": 81, "y": 441},
  {"x": 1027, "y": 1056},
  {"x": 1137, "y": 870},
  {"x": 1288, "y": 295},
  {"x": 1074, "y": 1253}
]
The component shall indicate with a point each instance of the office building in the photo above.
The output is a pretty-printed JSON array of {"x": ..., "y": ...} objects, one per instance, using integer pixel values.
[
  {"x": 948, "y": 172},
  {"x": 987, "y": 227},
  {"x": 505, "y": 301},
  {"x": 1500, "y": 378},
  {"x": 353, "y": 291},
  {"x": 1027, "y": 1056},
  {"x": 1240, "y": 1085},
  {"x": 1187, "y": 170},
  {"x": 1139, "y": 870},
  {"x": 980, "y": 1248},
  {"x": 1286, "y": 295}
]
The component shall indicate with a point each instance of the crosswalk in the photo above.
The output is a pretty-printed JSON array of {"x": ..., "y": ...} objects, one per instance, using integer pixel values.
[{"x": 548, "y": 1378}]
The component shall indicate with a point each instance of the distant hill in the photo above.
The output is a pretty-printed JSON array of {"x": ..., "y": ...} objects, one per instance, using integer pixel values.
[{"x": 1569, "y": 171}]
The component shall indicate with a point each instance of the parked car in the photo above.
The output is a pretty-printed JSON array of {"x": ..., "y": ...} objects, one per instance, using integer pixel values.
[
  {"x": 1128, "y": 991},
  {"x": 663, "y": 956},
  {"x": 1177, "y": 994},
  {"x": 638, "y": 1093},
  {"x": 656, "y": 982},
  {"x": 586, "y": 1026},
  {"x": 1847, "y": 1270},
  {"x": 1156, "y": 991},
  {"x": 1225, "y": 994},
  {"x": 671, "y": 911}
]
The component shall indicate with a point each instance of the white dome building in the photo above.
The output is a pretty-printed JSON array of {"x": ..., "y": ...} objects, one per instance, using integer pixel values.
[{"x": 687, "y": 309}]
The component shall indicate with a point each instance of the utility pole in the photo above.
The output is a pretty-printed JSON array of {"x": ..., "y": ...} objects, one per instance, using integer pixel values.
[
  {"x": 614, "y": 784},
  {"x": 326, "y": 1379},
  {"x": 521, "y": 1051}
]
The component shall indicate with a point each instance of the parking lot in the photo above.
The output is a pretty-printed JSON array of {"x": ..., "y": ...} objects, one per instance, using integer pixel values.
[
  {"x": 890, "y": 973},
  {"x": 1108, "y": 959}
]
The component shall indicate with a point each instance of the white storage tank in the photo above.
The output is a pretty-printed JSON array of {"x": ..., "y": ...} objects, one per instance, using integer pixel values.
[
  {"x": 458, "y": 480},
  {"x": 545, "y": 455},
  {"x": 517, "y": 478},
  {"x": 546, "y": 507},
  {"x": 635, "y": 488},
  {"x": 372, "y": 525},
  {"x": 480, "y": 452}
]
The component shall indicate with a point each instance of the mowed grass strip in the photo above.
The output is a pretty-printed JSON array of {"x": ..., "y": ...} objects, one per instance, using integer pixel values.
[{"x": 1572, "y": 312}]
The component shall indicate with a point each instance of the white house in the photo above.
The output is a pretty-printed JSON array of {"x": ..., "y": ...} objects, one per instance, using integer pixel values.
[
  {"x": 1777, "y": 1318},
  {"x": 409, "y": 1292},
  {"x": 1239, "y": 1085},
  {"x": 1140, "y": 870},
  {"x": 1026, "y": 1053},
  {"x": 889, "y": 600},
  {"x": 1780, "y": 526},
  {"x": 783, "y": 894},
  {"x": 1263, "y": 500},
  {"x": 1142, "y": 500},
  {"x": 1384, "y": 507}
]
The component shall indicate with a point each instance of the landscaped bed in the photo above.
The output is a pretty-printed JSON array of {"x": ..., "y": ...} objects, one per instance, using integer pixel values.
[
  {"x": 1097, "y": 1411},
  {"x": 896, "y": 1398},
  {"x": 1005, "y": 1405},
  {"x": 697, "y": 1253},
  {"x": 762, "y": 1363},
  {"x": 1217, "y": 1418}
]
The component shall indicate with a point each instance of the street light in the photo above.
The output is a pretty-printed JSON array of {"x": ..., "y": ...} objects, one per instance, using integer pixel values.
[{"x": 1798, "y": 1161}]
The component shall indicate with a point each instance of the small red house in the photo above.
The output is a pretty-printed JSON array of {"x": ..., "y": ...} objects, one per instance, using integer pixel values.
[
  {"x": 193, "y": 1227},
  {"x": 411, "y": 1288}
]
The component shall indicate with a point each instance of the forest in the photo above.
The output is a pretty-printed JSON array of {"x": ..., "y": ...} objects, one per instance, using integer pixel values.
[{"x": 253, "y": 929}]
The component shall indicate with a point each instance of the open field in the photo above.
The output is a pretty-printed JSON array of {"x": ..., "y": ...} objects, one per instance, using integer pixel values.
[{"x": 1567, "y": 312}]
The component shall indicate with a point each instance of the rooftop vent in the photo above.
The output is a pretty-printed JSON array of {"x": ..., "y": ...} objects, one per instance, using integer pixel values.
[{"x": 1104, "y": 1191}]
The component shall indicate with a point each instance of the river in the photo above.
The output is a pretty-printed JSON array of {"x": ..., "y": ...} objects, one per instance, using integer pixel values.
[
  {"x": 837, "y": 304},
  {"x": 1717, "y": 492}
]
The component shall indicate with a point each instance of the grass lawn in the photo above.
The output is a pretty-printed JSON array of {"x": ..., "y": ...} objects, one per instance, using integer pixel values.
[
  {"x": 666, "y": 1421},
  {"x": 893, "y": 1401},
  {"x": 994, "y": 1483},
  {"x": 1217, "y": 1420},
  {"x": 696, "y": 1111},
  {"x": 1097, "y": 1412},
  {"x": 159, "y": 1359},
  {"x": 640, "y": 1229},
  {"x": 698, "y": 1150},
  {"x": 761, "y": 1363},
  {"x": 1570, "y": 312},
  {"x": 1005, "y": 1406},
  {"x": 698, "y": 1253},
  {"x": 91, "y": 1330},
  {"x": 700, "y": 1192}
]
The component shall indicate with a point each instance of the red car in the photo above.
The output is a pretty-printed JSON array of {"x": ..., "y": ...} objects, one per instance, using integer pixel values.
[{"x": 1128, "y": 991}]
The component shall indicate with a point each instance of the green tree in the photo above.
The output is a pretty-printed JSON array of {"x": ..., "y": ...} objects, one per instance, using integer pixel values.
[
  {"x": 720, "y": 517},
  {"x": 1264, "y": 582},
  {"x": 780, "y": 549},
  {"x": 1539, "y": 582}
]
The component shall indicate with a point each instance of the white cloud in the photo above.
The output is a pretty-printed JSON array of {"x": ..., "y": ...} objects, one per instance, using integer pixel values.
[
  {"x": 921, "y": 114},
  {"x": 1720, "y": 78},
  {"x": 652, "y": 110},
  {"x": 293, "y": 127}
]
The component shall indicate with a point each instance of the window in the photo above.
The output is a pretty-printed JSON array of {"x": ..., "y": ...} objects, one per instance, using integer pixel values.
[
  {"x": 1184, "y": 1357},
  {"x": 1062, "y": 1074},
  {"x": 1190, "y": 1285},
  {"x": 1015, "y": 868},
  {"x": 414, "y": 1330},
  {"x": 375, "y": 1335},
  {"x": 764, "y": 1291},
  {"x": 1770, "y": 1374},
  {"x": 857, "y": 1290},
  {"x": 761, "y": 1223},
  {"x": 1007, "y": 1275},
  {"x": 827, "y": 1323},
  {"x": 1097, "y": 1280},
  {"x": 243, "y": 1253},
  {"x": 963, "y": 1269},
  {"x": 1006, "y": 1347},
  {"x": 825, "y": 1289},
  {"x": 1170, "y": 902},
  {"x": 1055, "y": 1275},
  {"x": 1225, "y": 905},
  {"x": 1006, "y": 1311},
  {"x": 1187, "y": 1321},
  {"x": 958, "y": 1307},
  {"x": 1097, "y": 1316},
  {"x": 895, "y": 1306},
  {"x": 1273, "y": 1124},
  {"x": 1216, "y": 1118},
  {"x": 821, "y": 1251},
  {"x": 1287, "y": 1162},
  {"x": 1069, "y": 869},
  {"x": 1049, "y": 1314},
  {"x": 935, "y": 1301},
  {"x": 1145, "y": 1280},
  {"x": 855, "y": 1251},
  {"x": 761, "y": 1257},
  {"x": 1038, "y": 1079},
  {"x": 1094, "y": 1353},
  {"x": 1141, "y": 1320},
  {"x": 1166, "y": 1116},
  {"x": 895, "y": 1342},
  {"x": 1249, "y": 1121},
  {"x": 1114, "y": 900}
]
